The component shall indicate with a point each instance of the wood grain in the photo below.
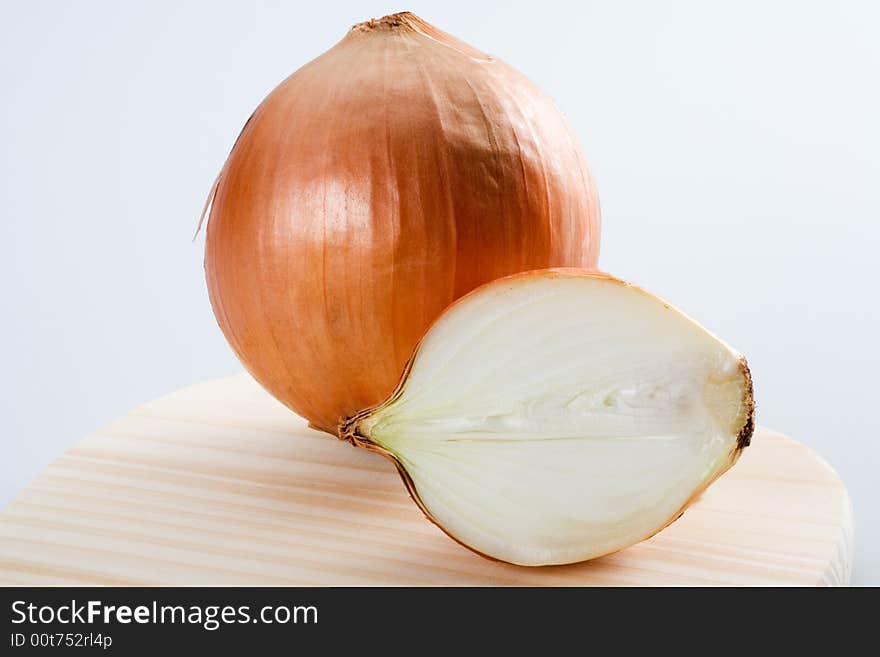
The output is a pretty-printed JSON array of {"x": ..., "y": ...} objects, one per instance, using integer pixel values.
[{"x": 219, "y": 484}]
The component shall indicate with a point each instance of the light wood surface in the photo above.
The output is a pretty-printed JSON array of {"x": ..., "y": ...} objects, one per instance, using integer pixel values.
[{"x": 219, "y": 484}]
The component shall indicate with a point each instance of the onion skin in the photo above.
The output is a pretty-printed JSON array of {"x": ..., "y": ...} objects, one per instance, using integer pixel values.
[{"x": 380, "y": 182}]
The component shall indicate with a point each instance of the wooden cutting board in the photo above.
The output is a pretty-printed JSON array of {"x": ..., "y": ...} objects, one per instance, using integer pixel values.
[{"x": 219, "y": 484}]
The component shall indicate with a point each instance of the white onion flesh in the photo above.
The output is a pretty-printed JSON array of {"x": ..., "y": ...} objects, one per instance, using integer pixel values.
[{"x": 554, "y": 417}]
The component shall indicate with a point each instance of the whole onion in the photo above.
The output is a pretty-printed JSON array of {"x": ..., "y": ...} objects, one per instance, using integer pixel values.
[{"x": 377, "y": 184}]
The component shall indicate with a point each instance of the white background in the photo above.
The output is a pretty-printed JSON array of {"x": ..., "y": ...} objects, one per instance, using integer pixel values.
[{"x": 735, "y": 144}]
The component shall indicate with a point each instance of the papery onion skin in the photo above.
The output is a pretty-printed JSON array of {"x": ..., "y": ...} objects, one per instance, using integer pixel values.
[{"x": 373, "y": 187}]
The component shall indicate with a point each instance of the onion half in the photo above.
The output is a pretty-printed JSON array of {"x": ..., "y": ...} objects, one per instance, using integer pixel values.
[
  {"x": 373, "y": 187},
  {"x": 559, "y": 415}
]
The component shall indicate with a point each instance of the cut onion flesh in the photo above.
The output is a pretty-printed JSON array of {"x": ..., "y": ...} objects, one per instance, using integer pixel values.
[{"x": 559, "y": 415}]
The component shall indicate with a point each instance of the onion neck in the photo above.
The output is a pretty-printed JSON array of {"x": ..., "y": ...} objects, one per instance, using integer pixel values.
[
  {"x": 407, "y": 22},
  {"x": 402, "y": 19}
]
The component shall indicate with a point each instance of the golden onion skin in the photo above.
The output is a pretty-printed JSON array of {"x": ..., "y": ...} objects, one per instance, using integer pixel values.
[{"x": 377, "y": 184}]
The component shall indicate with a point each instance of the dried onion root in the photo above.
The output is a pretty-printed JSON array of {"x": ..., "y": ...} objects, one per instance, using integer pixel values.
[{"x": 558, "y": 415}]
